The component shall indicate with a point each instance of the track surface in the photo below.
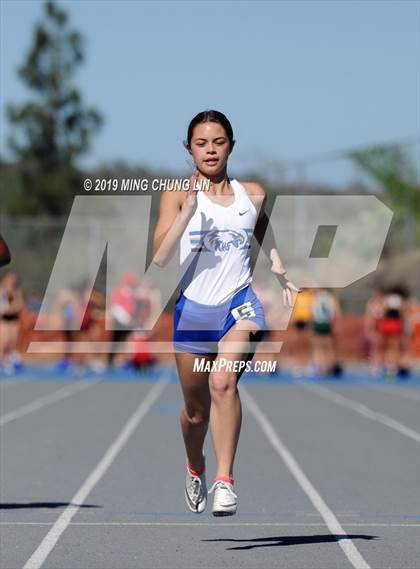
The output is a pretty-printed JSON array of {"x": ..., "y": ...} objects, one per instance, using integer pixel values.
[{"x": 92, "y": 473}]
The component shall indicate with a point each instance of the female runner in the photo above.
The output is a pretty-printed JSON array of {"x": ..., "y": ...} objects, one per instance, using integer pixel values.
[{"x": 217, "y": 313}]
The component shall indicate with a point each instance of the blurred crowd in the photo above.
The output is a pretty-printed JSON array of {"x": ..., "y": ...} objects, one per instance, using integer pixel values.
[
  {"x": 92, "y": 337},
  {"x": 390, "y": 325}
]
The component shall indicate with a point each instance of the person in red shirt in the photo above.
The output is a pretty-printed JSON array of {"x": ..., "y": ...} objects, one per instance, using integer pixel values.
[
  {"x": 374, "y": 312},
  {"x": 393, "y": 329},
  {"x": 123, "y": 309}
]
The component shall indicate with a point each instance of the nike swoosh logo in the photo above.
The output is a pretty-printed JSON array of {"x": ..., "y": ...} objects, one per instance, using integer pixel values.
[{"x": 242, "y": 212}]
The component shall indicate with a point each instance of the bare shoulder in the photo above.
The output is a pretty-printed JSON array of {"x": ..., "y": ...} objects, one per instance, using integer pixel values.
[
  {"x": 257, "y": 195},
  {"x": 170, "y": 199},
  {"x": 254, "y": 189},
  {"x": 169, "y": 205}
]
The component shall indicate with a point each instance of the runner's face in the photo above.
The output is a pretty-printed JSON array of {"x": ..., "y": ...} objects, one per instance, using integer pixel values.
[{"x": 210, "y": 147}]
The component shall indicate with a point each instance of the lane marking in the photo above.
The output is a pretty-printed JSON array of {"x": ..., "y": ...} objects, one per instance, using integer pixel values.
[
  {"x": 48, "y": 543},
  {"x": 214, "y": 524},
  {"x": 363, "y": 410},
  {"x": 412, "y": 394},
  {"x": 37, "y": 404},
  {"x": 347, "y": 545}
]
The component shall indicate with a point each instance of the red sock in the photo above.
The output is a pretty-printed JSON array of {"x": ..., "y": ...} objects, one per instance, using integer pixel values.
[
  {"x": 225, "y": 479},
  {"x": 195, "y": 472}
]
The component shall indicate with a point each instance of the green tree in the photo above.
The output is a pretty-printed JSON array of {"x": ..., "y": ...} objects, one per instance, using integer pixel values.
[
  {"x": 55, "y": 128},
  {"x": 392, "y": 167}
]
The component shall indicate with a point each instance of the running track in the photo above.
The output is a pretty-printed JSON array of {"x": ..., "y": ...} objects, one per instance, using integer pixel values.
[{"x": 92, "y": 473}]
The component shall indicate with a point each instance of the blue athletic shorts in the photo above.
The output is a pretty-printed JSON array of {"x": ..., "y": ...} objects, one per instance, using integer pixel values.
[{"x": 199, "y": 327}]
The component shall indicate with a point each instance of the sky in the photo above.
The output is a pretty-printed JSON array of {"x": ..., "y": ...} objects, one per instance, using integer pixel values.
[{"x": 299, "y": 81}]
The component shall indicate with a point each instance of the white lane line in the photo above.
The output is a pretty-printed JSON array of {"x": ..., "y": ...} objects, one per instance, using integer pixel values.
[
  {"x": 407, "y": 393},
  {"x": 363, "y": 410},
  {"x": 48, "y": 543},
  {"x": 346, "y": 544},
  {"x": 46, "y": 400},
  {"x": 214, "y": 524}
]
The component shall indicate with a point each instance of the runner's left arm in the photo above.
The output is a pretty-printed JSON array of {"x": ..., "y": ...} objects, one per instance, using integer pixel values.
[{"x": 264, "y": 235}]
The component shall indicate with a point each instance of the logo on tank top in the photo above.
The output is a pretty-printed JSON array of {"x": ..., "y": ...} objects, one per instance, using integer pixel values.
[{"x": 220, "y": 240}]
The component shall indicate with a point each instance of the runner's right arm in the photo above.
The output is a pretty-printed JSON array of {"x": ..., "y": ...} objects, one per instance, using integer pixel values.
[
  {"x": 4, "y": 253},
  {"x": 175, "y": 212}
]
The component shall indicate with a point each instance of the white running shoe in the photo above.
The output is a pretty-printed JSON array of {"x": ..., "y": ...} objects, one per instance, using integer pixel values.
[
  {"x": 196, "y": 492},
  {"x": 224, "y": 503}
]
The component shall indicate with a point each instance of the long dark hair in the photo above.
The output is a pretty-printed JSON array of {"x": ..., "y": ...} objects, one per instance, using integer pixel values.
[{"x": 210, "y": 116}]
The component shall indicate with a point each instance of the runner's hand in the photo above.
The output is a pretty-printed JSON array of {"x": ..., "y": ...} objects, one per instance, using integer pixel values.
[
  {"x": 190, "y": 203},
  {"x": 288, "y": 286}
]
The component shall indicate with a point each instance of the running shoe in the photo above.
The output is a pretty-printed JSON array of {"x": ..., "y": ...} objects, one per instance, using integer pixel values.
[
  {"x": 196, "y": 492},
  {"x": 224, "y": 503}
]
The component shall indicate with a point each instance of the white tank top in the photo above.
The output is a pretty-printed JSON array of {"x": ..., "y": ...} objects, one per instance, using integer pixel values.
[{"x": 215, "y": 248}]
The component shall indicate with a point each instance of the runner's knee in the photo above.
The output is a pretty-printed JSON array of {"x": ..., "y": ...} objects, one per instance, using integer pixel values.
[
  {"x": 196, "y": 415},
  {"x": 222, "y": 383}
]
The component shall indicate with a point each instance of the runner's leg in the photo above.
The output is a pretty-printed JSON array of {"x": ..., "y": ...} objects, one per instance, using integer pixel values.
[
  {"x": 226, "y": 409},
  {"x": 195, "y": 415}
]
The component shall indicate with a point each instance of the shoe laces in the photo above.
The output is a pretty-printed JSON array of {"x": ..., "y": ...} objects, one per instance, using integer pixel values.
[
  {"x": 195, "y": 484},
  {"x": 223, "y": 486}
]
